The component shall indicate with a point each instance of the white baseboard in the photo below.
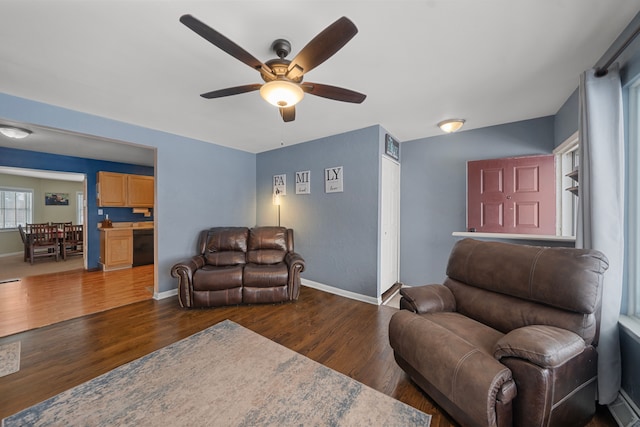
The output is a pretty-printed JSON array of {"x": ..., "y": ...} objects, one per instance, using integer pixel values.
[
  {"x": 341, "y": 292},
  {"x": 10, "y": 254},
  {"x": 165, "y": 294},
  {"x": 624, "y": 411},
  {"x": 303, "y": 282}
]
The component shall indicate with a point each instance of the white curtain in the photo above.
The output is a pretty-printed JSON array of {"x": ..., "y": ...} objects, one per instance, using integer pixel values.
[{"x": 601, "y": 208}]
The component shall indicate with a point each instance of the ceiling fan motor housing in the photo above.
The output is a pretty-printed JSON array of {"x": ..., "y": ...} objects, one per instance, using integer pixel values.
[{"x": 281, "y": 47}]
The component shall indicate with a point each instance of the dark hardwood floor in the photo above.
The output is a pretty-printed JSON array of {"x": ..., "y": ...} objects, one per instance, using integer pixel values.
[{"x": 345, "y": 335}]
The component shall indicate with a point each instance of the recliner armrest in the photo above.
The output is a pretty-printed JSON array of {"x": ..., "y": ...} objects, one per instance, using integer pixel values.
[
  {"x": 293, "y": 259},
  {"x": 185, "y": 269},
  {"x": 427, "y": 299},
  {"x": 545, "y": 346}
]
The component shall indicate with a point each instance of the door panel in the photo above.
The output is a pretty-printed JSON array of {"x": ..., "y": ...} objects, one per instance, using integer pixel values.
[
  {"x": 492, "y": 215},
  {"x": 512, "y": 195}
]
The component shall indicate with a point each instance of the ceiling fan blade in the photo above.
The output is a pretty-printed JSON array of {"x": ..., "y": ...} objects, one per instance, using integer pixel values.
[
  {"x": 288, "y": 114},
  {"x": 333, "y": 92},
  {"x": 322, "y": 47},
  {"x": 221, "y": 41},
  {"x": 231, "y": 91}
]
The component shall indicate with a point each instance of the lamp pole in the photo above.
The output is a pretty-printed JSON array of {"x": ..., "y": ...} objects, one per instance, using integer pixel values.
[{"x": 276, "y": 201}]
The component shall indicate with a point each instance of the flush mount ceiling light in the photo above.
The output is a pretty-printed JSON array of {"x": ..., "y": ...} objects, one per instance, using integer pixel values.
[
  {"x": 451, "y": 125},
  {"x": 281, "y": 93},
  {"x": 14, "y": 132}
]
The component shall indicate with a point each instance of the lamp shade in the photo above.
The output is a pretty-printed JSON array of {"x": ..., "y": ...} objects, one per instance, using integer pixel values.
[
  {"x": 13, "y": 132},
  {"x": 451, "y": 125},
  {"x": 281, "y": 93}
]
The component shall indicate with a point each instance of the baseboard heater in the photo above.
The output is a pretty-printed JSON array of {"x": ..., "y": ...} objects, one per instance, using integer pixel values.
[{"x": 624, "y": 411}]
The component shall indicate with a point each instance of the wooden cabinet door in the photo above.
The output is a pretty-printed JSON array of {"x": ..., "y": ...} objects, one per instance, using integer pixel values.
[
  {"x": 512, "y": 195},
  {"x": 116, "y": 247},
  {"x": 140, "y": 191},
  {"x": 112, "y": 189}
]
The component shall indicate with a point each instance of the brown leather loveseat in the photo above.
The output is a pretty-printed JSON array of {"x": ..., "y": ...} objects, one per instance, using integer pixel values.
[
  {"x": 236, "y": 265},
  {"x": 509, "y": 337}
]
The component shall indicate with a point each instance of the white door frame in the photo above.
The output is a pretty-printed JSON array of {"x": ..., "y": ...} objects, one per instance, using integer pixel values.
[{"x": 389, "y": 233}]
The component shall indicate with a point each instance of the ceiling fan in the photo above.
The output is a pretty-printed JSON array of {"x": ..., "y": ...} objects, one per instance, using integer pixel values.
[{"x": 283, "y": 85}]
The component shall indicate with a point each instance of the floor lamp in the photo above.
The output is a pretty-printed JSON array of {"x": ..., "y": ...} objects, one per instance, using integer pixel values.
[{"x": 276, "y": 201}]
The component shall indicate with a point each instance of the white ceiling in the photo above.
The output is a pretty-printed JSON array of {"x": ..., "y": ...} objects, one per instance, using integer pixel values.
[{"x": 488, "y": 61}]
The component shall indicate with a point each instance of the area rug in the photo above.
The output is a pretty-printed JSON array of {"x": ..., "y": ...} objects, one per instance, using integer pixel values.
[
  {"x": 9, "y": 358},
  {"x": 225, "y": 375}
]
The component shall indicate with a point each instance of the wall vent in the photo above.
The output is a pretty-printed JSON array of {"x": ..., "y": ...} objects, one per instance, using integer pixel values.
[{"x": 623, "y": 412}]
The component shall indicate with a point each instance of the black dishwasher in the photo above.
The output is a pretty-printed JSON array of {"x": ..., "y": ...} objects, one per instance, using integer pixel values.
[{"x": 142, "y": 247}]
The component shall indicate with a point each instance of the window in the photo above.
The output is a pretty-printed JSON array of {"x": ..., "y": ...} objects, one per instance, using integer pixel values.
[
  {"x": 16, "y": 207},
  {"x": 633, "y": 204},
  {"x": 567, "y": 163}
]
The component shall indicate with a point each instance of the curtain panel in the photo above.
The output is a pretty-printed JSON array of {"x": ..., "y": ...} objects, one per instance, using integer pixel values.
[{"x": 601, "y": 208}]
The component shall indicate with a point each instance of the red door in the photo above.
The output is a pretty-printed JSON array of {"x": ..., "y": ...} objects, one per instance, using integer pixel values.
[{"x": 512, "y": 195}]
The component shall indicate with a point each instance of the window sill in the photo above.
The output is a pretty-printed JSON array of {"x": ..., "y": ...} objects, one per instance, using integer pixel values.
[
  {"x": 508, "y": 236},
  {"x": 631, "y": 325}
]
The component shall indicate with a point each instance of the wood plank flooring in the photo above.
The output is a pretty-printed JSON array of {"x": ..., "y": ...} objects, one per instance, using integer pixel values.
[
  {"x": 345, "y": 335},
  {"x": 41, "y": 300}
]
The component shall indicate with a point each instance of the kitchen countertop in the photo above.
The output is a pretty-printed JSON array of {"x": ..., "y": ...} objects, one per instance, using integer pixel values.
[{"x": 131, "y": 225}]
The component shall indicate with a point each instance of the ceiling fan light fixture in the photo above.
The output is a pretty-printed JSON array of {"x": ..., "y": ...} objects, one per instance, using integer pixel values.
[
  {"x": 451, "y": 125},
  {"x": 281, "y": 93},
  {"x": 14, "y": 132}
]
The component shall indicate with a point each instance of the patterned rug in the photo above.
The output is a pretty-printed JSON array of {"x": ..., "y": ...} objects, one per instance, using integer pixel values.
[
  {"x": 225, "y": 375},
  {"x": 9, "y": 358}
]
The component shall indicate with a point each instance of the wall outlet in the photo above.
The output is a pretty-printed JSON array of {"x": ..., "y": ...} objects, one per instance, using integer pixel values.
[{"x": 99, "y": 211}]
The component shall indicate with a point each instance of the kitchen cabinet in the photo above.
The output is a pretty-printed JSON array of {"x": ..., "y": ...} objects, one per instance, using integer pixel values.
[
  {"x": 124, "y": 190},
  {"x": 116, "y": 248},
  {"x": 112, "y": 189},
  {"x": 139, "y": 191}
]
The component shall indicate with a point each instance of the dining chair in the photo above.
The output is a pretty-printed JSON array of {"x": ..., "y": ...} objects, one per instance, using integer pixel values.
[
  {"x": 25, "y": 242},
  {"x": 72, "y": 240},
  {"x": 43, "y": 242},
  {"x": 28, "y": 226}
]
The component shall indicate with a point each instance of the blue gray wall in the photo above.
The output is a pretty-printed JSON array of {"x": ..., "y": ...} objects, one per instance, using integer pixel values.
[
  {"x": 434, "y": 188},
  {"x": 566, "y": 119},
  {"x": 198, "y": 184},
  {"x": 336, "y": 233}
]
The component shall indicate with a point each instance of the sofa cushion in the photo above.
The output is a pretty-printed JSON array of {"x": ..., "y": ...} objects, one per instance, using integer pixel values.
[
  {"x": 267, "y": 245},
  {"x": 265, "y": 276},
  {"x": 481, "y": 336},
  {"x": 224, "y": 245},
  {"x": 210, "y": 278}
]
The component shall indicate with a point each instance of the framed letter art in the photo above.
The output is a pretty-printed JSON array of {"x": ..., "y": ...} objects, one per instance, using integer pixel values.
[
  {"x": 303, "y": 182},
  {"x": 333, "y": 180},
  {"x": 280, "y": 184}
]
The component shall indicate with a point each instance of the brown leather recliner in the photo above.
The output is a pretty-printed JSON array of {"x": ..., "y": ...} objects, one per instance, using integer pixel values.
[
  {"x": 509, "y": 338},
  {"x": 238, "y": 265}
]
